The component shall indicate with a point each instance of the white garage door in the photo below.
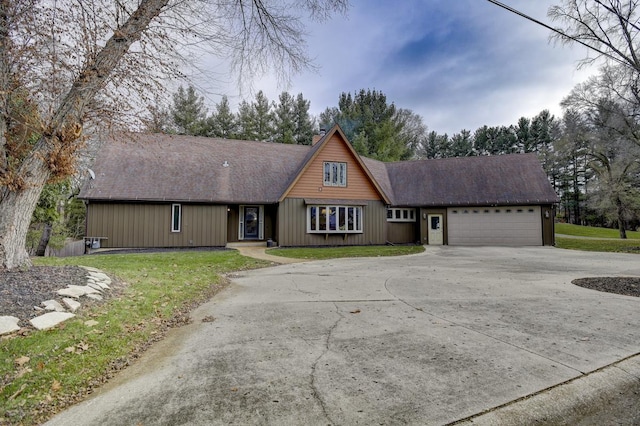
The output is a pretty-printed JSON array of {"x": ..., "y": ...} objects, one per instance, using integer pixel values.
[{"x": 503, "y": 226}]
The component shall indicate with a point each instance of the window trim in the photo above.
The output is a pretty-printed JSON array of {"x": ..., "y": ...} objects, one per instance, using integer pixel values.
[
  {"x": 337, "y": 173},
  {"x": 176, "y": 220},
  {"x": 340, "y": 211},
  {"x": 401, "y": 214}
]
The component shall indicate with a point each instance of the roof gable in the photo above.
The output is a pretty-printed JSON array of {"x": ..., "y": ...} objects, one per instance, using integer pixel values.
[{"x": 308, "y": 181}]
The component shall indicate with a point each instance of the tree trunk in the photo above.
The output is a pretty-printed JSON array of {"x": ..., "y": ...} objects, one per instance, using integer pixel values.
[
  {"x": 17, "y": 204},
  {"x": 621, "y": 224},
  {"x": 16, "y": 210},
  {"x": 44, "y": 239}
]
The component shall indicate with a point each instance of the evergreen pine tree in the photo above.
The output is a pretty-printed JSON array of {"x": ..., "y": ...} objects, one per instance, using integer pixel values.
[
  {"x": 188, "y": 112},
  {"x": 263, "y": 117},
  {"x": 284, "y": 119},
  {"x": 246, "y": 121},
  {"x": 223, "y": 121},
  {"x": 303, "y": 133}
]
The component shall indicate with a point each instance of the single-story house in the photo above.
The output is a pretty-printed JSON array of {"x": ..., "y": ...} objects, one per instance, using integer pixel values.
[{"x": 159, "y": 190}]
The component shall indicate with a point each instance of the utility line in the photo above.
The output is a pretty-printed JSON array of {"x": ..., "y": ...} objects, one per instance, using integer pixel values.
[{"x": 557, "y": 31}]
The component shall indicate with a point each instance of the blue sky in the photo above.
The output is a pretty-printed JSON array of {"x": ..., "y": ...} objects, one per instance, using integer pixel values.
[{"x": 460, "y": 64}]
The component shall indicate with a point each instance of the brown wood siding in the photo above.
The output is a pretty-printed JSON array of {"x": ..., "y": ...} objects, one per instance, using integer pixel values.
[
  {"x": 149, "y": 225},
  {"x": 233, "y": 222},
  {"x": 292, "y": 226},
  {"x": 311, "y": 183},
  {"x": 270, "y": 214},
  {"x": 424, "y": 224},
  {"x": 402, "y": 232},
  {"x": 548, "y": 213}
]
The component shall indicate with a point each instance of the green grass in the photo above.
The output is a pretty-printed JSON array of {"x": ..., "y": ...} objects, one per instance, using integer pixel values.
[
  {"x": 319, "y": 253},
  {"x": 44, "y": 371},
  {"x": 616, "y": 246},
  {"x": 592, "y": 231}
]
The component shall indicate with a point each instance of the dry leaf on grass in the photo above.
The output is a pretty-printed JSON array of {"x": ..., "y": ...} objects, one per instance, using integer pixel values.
[{"x": 22, "y": 360}]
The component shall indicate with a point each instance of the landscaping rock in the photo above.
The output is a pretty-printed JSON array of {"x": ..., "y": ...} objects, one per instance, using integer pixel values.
[
  {"x": 95, "y": 297},
  {"x": 53, "y": 305},
  {"x": 8, "y": 324},
  {"x": 49, "y": 320},
  {"x": 76, "y": 291},
  {"x": 91, "y": 269},
  {"x": 72, "y": 304},
  {"x": 95, "y": 286}
]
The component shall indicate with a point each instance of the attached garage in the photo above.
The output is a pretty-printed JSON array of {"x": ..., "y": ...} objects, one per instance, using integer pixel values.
[
  {"x": 502, "y": 200},
  {"x": 502, "y": 226}
]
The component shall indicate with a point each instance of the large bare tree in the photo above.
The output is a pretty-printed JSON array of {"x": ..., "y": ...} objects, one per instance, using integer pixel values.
[
  {"x": 609, "y": 27},
  {"x": 610, "y": 101},
  {"x": 67, "y": 65}
]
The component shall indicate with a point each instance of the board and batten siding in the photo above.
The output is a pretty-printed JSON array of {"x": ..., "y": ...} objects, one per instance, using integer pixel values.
[
  {"x": 292, "y": 226},
  {"x": 311, "y": 183},
  {"x": 402, "y": 233},
  {"x": 149, "y": 225}
]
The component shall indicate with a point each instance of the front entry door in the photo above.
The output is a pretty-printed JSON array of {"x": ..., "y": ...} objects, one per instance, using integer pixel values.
[
  {"x": 435, "y": 229},
  {"x": 251, "y": 222}
]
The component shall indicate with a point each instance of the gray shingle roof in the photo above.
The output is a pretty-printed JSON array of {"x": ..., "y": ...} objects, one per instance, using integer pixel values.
[
  {"x": 158, "y": 167},
  {"x": 500, "y": 179}
]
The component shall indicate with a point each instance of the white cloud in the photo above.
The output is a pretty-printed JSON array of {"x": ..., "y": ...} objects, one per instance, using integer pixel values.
[{"x": 459, "y": 64}]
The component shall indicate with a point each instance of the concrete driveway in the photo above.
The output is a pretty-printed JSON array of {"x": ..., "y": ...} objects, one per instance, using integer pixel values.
[{"x": 433, "y": 338}]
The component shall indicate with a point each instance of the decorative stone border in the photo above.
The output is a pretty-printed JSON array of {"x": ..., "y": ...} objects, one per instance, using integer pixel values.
[{"x": 97, "y": 283}]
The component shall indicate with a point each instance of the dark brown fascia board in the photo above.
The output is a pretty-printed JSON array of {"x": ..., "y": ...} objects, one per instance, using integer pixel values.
[
  {"x": 168, "y": 200},
  {"x": 481, "y": 204}
]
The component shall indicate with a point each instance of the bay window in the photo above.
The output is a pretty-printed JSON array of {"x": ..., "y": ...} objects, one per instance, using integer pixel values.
[{"x": 334, "y": 219}]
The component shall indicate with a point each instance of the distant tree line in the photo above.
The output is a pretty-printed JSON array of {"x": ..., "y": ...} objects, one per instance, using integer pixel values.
[
  {"x": 285, "y": 121},
  {"x": 590, "y": 154},
  {"x": 591, "y": 165}
]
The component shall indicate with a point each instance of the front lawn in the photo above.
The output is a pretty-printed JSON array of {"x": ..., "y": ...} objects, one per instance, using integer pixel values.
[
  {"x": 592, "y": 231},
  {"x": 45, "y": 371},
  {"x": 616, "y": 246}
]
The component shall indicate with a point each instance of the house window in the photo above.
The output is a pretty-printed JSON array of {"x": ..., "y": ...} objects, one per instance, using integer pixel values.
[
  {"x": 401, "y": 215},
  {"x": 334, "y": 219},
  {"x": 335, "y": 174},
  {"x": 176, "y": 217}
]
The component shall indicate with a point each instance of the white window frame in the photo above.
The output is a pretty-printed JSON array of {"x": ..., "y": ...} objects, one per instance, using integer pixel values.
[
  {"x": 401, "y": 215},
  {"x": 334, "y": 173},
  {"x": 341, "y": 223},
  {"x": 176, "y": 210}
]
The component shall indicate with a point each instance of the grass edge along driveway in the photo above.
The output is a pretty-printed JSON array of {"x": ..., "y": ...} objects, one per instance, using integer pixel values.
[{"x": 44, "y": 372}]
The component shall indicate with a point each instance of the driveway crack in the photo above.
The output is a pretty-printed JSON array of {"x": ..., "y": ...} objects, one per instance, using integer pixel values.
[
  {"x": 478, "y": 331},
  {"x": 327, "y": 343},
  {"x": 298, "y": 289}
]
